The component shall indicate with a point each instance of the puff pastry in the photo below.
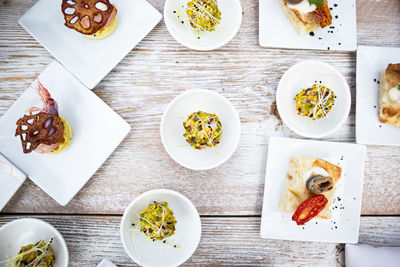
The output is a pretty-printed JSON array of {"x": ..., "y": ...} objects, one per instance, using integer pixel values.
[
  {"x": 389, "y": 95},
  {"x": 295, "y": 190},
  {"x": 307, "y": 19}
]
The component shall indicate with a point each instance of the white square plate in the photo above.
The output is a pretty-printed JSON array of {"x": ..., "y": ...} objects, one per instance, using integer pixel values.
[
  {"x": 106, "y": 263},
  {"x": 344, "y": 225},
  {"x": 11, "y": 178},
  {"x": 96, "y": 131},
  {"x": 277, "y": 31},
  {"x": 90, "y": 60},
  {"x": 370, "y": 63}
]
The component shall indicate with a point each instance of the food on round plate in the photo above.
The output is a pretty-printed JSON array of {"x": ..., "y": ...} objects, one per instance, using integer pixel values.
[
  {"x": 203, "y": 130},
  {"x": 94, "y": 18},
  {"x": 389, "y": 95},
  {"x": 309, "y": 188},
  {"x": 204, "y": 15},
  {"x": 44, "y": 131},
  {"x": 157, "y": 221},
  {"x": 315, "y": 102},
  {"x": 35, "y": 255},
  {"x": 307, "y": 15}
]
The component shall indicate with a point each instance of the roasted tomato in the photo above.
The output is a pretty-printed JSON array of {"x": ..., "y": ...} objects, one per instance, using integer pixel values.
[{"x": 309, "y": 209}]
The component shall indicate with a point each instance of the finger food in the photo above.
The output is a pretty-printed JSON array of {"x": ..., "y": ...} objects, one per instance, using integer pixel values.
[
  {"x": 307, "y": 15},
  {"x": 96, "y": 19},
  {"x": 203, "y": 15},
  {"x": 309, "y": 177},
  {"x": 315, "y": 102},
  {"x": 157, "y": 221},
  {"x": 39, "y": 254},
  {"x": 45, "y": 131},
  {"x": 202, "y": 130},
  {"x": 389, "y": 95}
]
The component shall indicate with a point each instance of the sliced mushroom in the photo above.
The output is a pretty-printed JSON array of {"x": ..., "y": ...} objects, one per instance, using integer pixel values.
[
  {"x": 294, "y": 2},
  {"x": 318, "y": 184}
]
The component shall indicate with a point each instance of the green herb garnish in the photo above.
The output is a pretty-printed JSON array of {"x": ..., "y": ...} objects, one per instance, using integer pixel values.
[
  {"x": 318, "y": 3},
  {"x": 398, "y": 87}
]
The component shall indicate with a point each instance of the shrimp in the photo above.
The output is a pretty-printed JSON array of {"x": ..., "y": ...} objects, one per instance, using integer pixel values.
[{"x": 50, "y": 107}]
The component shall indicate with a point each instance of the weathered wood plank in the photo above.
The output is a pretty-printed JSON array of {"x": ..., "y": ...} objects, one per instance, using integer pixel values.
[
  {"x": 157, "y": 70},
  {"x": 225, "y": 241}
]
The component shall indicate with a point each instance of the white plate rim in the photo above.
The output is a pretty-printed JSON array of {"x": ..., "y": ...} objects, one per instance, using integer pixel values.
[
  {"x": 283, "y": 115},
  {"x": 159, "y": 191},
  {"x": 46, "y": 225},
  {"x": 197, "y": 47},
  {"x": 173, "y": 102}
]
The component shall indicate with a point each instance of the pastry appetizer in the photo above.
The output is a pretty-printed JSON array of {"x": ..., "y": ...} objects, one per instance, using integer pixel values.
[
  {"x": 389, "y": 95},
  {"x": 202, "y": 130},
  {"x": 45, "y": 131},
  {"x": 315, "y": 102},
  {"x": 309, "y": 188},
  {"x": 307, "y": 15},
  {"x": 96, "y": 19},
  {"x": 39, "y": 254},
  {"x": 157, "y": 221},
  {"x": 203, "y": 15}
]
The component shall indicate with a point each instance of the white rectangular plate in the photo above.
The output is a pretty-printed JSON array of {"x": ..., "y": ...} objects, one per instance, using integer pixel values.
[
  {"x": 11, "y": 178},
  {"x": 96, "y": 131},
  {"x": 277, "y": 31},
  {"x": 90, "y": 60},
  {"x": 370, "y": 63},
  {"x": 344, "y": 225}
]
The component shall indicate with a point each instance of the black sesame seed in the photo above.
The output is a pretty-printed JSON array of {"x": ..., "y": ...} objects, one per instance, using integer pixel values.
[
  {"x": 336, "y": 16},
  {"x": 329, "y": 48},
  {"x": 174, "y": 11},
  {"x": 174, "y": 246},
  {"x": 312, "y": 33},
  {"x": 335, "y": 5}
]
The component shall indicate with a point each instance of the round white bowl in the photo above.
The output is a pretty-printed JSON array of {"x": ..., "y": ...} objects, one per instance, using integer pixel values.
[
  {"x": 21, "y": 232},
  {"x": 172, "y": 129},
  {"x": 231, "y": 19},
  {"x": 303, "y": 75},
  {"x": 153, "y": 254}
]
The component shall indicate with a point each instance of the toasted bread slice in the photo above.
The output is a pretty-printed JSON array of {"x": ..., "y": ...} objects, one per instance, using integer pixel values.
[
  {"x": 389, "y": 108},
  {"x": 308, "y": 22},
  {"x": 295, "y": 190}
]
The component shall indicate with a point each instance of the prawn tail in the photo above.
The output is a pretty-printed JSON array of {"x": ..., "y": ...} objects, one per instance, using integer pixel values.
[{"x": 42, "y": 91}]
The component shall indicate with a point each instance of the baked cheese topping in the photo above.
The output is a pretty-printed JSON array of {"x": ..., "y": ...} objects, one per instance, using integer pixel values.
[
  {"x": 303, "y": 7},
  {"x": 394, "y": 94},
  {"x": 314, "y": 171}
]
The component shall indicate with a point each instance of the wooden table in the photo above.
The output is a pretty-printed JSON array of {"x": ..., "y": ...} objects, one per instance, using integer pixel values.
[{"x": 228, "y": 198}]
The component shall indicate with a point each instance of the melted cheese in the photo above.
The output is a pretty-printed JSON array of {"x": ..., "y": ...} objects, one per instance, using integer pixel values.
[
  {"x": 314, "y": 171},
  {"x": 303, "y": 7},
  {"x": 394, "y": 94}
]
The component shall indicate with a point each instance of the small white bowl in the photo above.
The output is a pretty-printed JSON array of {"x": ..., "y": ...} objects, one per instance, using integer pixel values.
[
  {"x": 231, "y": 19},
  {"x": 303, "y": 75},
  {"x": 187, "y": 234},
  {"x": 22, "y": 232},
  {"x": 172, "y": 129}
]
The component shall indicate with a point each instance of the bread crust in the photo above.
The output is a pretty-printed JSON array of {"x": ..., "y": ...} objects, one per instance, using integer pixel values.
[
  {"x": 305, "y": 23},
  {"x": 389, "y": 110}
]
